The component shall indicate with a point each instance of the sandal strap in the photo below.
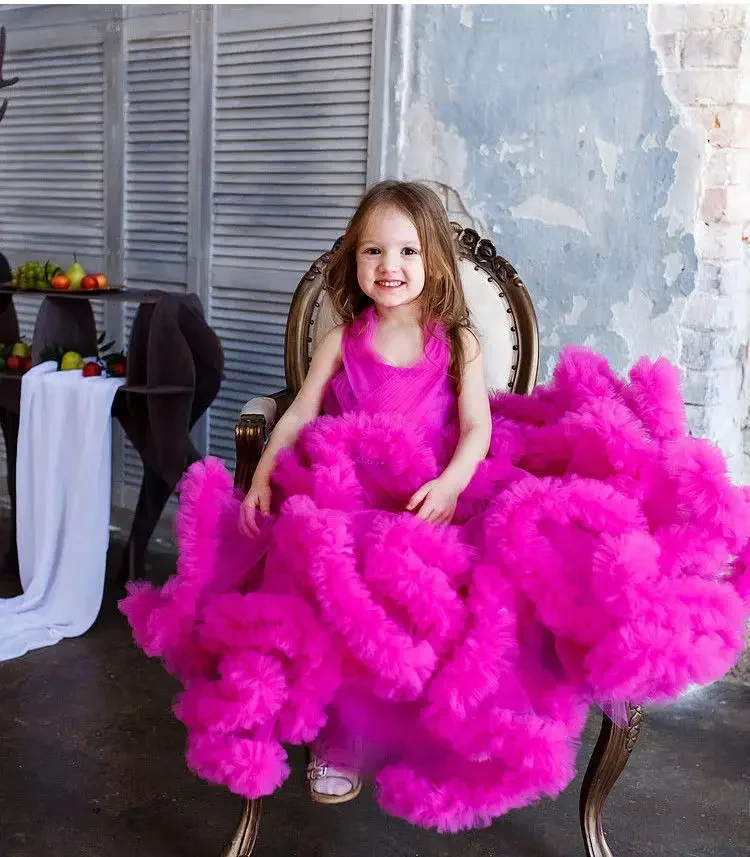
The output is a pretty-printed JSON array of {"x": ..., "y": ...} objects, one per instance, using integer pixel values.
[{"x": 319, "y": 770}]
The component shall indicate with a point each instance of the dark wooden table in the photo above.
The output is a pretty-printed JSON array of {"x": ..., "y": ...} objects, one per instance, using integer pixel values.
[{"x": 175, "y": 365}]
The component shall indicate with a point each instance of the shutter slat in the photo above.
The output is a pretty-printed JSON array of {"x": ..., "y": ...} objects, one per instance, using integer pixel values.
[
  {"x": 232, "y": 244},
  {"x": 316, "y": 137},
  {"x": 274, "y": 215},
  {"x": 310, "y": 97},
  {"x": 307, "y": 35},
  {"x": 254, "y": 52},
  {"x": 71, "y": 102},
  {"x": 143, "y": 203},
  {"x": 250, "y": 229},
  {"x": 52, "y": 57},
  {"x": 21, "y": 120},
  {"x": 283, "y": 114},
  {"x": 169, "y": 129},
  {"x": 44, "y": 227},
  {"x": 324, "y": 221},
  {"x": 48, "y": 206},
  {"x": 263, "y": 128},
  {"x": 350, "y": 154},
  {"x": 294, "y": 178},
  {"x": 158, "y": 149},
  {"x": 43, "y": 140},
  {"x": 40, "y": 170},
  {"x": 64, "y": 94},
  {"x": 291, "y": 72},
  {"x": 45, "y": 150},
  {"x": 168, "y": 59},
  {"x": 54, "y": 162},
  {"x": 299, "y": 195},
  {"x": 310, "y": 85}
]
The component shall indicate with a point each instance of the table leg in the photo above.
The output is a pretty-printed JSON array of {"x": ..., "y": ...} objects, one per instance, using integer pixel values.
[
  {"x": 152, "y": 499},
  {"x": 9, "y": 424}
]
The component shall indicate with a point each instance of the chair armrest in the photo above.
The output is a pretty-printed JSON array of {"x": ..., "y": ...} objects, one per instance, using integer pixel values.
[
  {"x": 261, "y": 406},
  {"x": 257, "y": 418}
]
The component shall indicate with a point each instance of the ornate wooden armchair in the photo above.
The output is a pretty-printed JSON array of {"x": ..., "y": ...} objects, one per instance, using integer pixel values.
[{"x": 504, "y": 317}]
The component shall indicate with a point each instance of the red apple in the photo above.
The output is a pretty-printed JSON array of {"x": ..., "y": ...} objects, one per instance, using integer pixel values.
[
  {"x": 59, "y": 282},
  {"x": 89, "y": 282},
  {"x": 118, "y": 368},
  {"x": 101, "y": 280},
  {"x": 91, "y": 370},
  {"x": 14, "y": 363},
  {"x": 26, "y": 364}
]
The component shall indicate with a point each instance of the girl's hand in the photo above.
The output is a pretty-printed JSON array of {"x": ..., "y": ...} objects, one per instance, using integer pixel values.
[
  {"x": 435, "y": 501},
  {"x": 257, "y": 498}
]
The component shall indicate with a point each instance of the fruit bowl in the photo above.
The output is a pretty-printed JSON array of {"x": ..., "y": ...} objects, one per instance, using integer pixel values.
[
  {"x": 105, "y": 361},
  {"x": 33, "y": 290},
  {"x": 15, "y": 360},
  {"x": 35, "y": 276}
]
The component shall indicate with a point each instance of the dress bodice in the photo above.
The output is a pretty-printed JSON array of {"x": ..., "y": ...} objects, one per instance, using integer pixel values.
[{"x": 424, "y": 393}]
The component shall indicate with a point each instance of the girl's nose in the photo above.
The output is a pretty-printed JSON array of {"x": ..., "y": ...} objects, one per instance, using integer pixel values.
[{"x": 389, "y": 261}]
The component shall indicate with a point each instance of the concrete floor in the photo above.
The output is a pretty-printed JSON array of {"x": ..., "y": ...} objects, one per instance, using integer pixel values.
[{"x": 91, "y": 765}]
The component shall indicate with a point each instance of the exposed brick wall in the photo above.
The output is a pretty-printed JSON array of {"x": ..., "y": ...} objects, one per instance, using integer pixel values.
[{"x": 704, "y": 51}]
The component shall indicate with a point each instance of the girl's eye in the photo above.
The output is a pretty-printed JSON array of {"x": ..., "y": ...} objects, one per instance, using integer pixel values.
[
  {"x": 410, "y": 251},
  {"x": 371, "y": 251}
]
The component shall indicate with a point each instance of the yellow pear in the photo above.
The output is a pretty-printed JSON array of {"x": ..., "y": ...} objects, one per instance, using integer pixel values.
[
  {"x": 75, "y": 274},
  {"x": 71, "y": 360}
]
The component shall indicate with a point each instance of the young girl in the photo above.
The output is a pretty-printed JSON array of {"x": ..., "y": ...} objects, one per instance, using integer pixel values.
[
  {"x": 406, "y": 331},
  {"x": 429, "y": 586}
]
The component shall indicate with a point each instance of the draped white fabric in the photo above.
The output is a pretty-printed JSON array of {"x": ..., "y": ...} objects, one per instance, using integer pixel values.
[{"x": 63, "y": 478}]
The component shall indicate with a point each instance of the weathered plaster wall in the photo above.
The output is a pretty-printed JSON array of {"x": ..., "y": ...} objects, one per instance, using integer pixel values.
[
  {"x": 554, "y": 130},
  {"x": 552, "y": 124}
]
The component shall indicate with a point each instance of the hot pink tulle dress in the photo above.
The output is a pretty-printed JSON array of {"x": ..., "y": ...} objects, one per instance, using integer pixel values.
[{"x": 598, "y": 556}]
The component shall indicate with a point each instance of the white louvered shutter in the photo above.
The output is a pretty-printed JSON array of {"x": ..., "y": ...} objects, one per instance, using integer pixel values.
[
  {"x": 52, "y": 157},
  {"x": 156, "y": 175},
  {"x": 291, "y": 129}
]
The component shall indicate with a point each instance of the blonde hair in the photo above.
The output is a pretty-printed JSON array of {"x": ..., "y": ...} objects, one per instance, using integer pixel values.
[{"x": 442, "y": 298}]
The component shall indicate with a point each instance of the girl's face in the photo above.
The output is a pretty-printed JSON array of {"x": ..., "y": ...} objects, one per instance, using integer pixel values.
[{"x": 390, "y": 267}]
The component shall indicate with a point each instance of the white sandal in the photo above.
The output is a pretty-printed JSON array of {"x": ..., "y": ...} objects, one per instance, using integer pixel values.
[{"x": 319, "y": 770}]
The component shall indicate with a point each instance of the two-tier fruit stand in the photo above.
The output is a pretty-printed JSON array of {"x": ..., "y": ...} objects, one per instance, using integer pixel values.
[{"x": 174, "y": 371}]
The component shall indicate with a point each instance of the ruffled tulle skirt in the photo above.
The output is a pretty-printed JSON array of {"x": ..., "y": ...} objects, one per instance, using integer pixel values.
[{"x": 598, "y": 556}]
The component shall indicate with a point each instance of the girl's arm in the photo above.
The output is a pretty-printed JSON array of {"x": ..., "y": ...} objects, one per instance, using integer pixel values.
[
  {"x": 306, "y": 406},
  {"x": 438, "y": 498}
]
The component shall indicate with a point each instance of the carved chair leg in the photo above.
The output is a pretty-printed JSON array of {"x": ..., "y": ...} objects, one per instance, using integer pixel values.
[
  {"x": 246, "y": 835},
  {"x": 609, "y": 758}
]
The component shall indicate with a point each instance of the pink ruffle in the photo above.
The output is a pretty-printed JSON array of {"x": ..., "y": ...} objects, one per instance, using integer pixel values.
[{"x": 599, "y": 555}]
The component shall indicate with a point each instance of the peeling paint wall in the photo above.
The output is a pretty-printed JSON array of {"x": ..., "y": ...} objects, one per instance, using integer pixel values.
[
  {"x": 552, "y": 126},
  {"x": 553, "y": 131}
]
